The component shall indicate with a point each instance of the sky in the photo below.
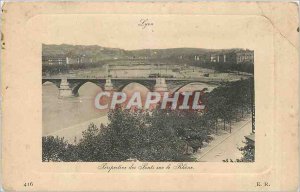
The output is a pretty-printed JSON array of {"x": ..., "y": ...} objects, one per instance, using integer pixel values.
[{"x": 163, "y": 31}]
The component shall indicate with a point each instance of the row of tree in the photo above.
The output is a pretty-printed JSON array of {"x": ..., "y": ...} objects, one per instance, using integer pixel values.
[
  {"x": 158, "y": 135},
  {"x": 230, "y": 102},
  {"x": 222, "y": 67}
]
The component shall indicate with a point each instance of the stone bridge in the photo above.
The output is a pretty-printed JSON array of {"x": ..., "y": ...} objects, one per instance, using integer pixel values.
[{"x": 69, "y": 87}]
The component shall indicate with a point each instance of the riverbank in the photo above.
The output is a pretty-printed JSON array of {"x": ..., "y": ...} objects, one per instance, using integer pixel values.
[{"x": 73, "y": 133}]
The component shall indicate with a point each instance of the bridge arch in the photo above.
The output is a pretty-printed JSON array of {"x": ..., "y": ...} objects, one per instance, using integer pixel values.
[
  {"x": 123, "y": 86},
  {"x": 54, "y": 82},
  {"x": 49, "y": 89},
  {"x": 78, "y": 85},
  {"x": 200, "y": 85},
  {"x": 131, "y": 88}
]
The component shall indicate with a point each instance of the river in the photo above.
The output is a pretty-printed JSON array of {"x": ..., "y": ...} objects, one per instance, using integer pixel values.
[{"x": 62, "y": 113}]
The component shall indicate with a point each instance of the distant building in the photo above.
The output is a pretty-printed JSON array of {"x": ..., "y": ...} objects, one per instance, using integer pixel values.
[
  {"x": 245, "y": 56},
  {"x": 54, "y": 60},
  {"x": 229, "y": 57},
  {"x": 81, "y": 59},
  {"x": 65, "y": 60},
  {"x": 215, "y": 58}
]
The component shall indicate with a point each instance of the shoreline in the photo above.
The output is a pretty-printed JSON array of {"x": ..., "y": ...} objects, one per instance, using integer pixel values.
[{"x": 74, "y": 132}]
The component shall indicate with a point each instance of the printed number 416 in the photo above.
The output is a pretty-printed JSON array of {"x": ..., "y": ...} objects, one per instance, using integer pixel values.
[{"x": 28, "y": 184}]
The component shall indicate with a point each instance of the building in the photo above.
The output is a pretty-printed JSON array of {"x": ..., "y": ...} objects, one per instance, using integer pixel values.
[
  {"x": 218, "y": 58},
  {"x": 239, "y": 56},
  {"x": 80, "y": 59},
  {"x": 65, "y": 60},
  {"x": 245, "y": 56},
  {"x": 203, "y": 58},
  {"x": 54, "y": 60}
]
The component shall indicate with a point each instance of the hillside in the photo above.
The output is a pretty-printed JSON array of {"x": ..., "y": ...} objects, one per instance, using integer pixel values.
[
  {"x": 99, "y": 53},
  {"x": 93, "y": 51}
]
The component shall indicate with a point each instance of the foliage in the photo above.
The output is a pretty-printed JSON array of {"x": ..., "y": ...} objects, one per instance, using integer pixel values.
[
  {"x": 248, "y": 152},
  {"x": 229, "y": 67},
  {"x": 55, "y": 69},
  {"x": 229, "y": 102},
  {"x": 57, "y": 149},
  {"x": 130, "y": 136},
  {"x": 163, "y": 139}
]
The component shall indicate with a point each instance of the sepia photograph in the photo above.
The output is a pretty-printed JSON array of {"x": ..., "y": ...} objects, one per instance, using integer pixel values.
[
  {"x": 105, "y": 104},
  {"x": 156, "y": 96}
]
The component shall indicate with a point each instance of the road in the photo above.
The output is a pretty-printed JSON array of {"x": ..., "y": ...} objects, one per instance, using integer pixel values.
[{"x": 225, "y": 146}]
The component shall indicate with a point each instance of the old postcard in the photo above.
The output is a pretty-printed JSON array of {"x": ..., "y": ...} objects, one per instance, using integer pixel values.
[{"x": 152, "y": 96}]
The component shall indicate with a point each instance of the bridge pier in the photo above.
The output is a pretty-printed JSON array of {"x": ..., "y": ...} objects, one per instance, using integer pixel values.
[
  {"x": 65, "y": 90},
  {"x": 108, "y": 85},
  {"x": 161, "y": 85}
]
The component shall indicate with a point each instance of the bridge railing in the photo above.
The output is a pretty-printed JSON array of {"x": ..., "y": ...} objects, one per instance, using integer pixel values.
[{"x": 215, "y": 79}]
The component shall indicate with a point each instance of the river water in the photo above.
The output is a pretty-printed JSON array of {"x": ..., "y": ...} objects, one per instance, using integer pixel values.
[{"x": 62, "y": 113}]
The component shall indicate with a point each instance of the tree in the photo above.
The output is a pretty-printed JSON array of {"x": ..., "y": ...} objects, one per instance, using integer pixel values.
[
  {"x": 248, "y": 152},
  {"x": 53, "y": 148},
  {"x": 162, "y": 142},
  {"x": 90, "y": 146},
  {"x": 118, "y": 141}
]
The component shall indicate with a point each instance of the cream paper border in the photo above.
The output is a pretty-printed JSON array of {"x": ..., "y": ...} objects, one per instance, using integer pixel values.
[{"x": 267, "y": 28}]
